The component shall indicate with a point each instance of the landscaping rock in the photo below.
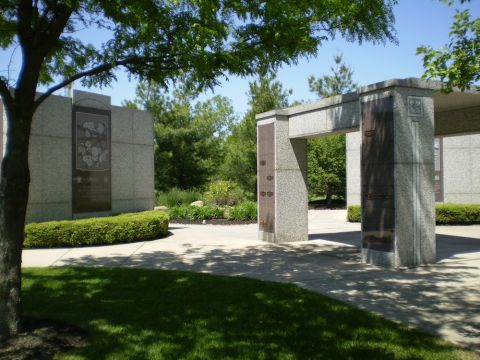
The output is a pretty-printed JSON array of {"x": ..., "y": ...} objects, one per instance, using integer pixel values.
[
  {"x": 198, "y": 203},
  {"x": 160, "y": 208}
]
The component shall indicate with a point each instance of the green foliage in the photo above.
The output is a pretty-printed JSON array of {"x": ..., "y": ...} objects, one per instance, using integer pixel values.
[
  {"x": 122, "y": 228},
  {"x": 445, "y": 214},
  {"x": 154, "y": 314},
  {"x": 246, "y": 210},
  {"x": 457, "y": 64},
  {"x": 240, "y": 164},
  {"x": 176, "y": 196},
  {"x": 188, "y": 138},
  {"x": 327, "y": 155},
  {"x": 354, "y": 213},
  {"x": 223, "y": 193},
  {"x": 161, "y": 40},
  {"x": 452, "y": 214},
  {"x": 339, "y": 82},
  {"x": 326, "y": 166},
  {"x": 188, "y": 212}
]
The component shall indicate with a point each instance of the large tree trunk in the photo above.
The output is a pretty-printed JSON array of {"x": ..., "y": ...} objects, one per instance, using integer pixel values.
[{"x": 14, "y": 186}]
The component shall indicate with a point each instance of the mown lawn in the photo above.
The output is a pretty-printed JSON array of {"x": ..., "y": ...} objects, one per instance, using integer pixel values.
[{"x": 153, "y": 314}]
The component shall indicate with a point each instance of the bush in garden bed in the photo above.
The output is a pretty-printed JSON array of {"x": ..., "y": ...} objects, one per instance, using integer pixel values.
[
  {"x": 122, "y": 228},
  {"x": 246, "y": 210},
  {"x": 175, "y": 197},
  {"x": 354, "y": 213},
  {"x": 223, "y": 193}
]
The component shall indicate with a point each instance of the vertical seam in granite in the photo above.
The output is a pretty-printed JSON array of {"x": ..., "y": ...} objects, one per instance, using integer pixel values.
[{"x": 416, "y": 197}]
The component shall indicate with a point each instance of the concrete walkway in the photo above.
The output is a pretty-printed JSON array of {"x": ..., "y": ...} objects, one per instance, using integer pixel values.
[{"x": 443, "y": 298}]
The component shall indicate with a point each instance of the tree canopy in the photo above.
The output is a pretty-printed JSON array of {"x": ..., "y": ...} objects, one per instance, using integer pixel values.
[
  {"x": 189, "y": 135},
  {"x": 457, "y": 64},
  {"x": 153, "y": 40},
  {"x": 158, "y": 40},
  {"x": 338, "y": 82},
  {"x": 240, "y": 164},
  {"x": 327, "y": 155}
]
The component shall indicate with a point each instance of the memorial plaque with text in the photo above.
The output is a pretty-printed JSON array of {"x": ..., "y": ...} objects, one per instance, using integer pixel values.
[
  {"x": 378, "y": 175},
  {"x": 265, "y": 175},
  {"x": 1, "y": 130},
  {"x": 91, "y": 185}
]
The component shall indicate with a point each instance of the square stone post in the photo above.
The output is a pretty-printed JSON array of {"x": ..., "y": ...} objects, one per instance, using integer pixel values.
[
  {"x": 398, "y": 201},
  {"x": 282, "y": 181}
]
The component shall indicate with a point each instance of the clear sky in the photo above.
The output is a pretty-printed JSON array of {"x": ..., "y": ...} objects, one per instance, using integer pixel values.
[{"x": 417, "y": 22}]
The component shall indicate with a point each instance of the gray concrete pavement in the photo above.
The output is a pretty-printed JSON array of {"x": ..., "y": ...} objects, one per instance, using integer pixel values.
[{"x": 443, "y": 298}]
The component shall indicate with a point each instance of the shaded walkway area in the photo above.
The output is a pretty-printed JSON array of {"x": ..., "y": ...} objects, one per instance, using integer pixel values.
[{"x": 443, "y": 298}]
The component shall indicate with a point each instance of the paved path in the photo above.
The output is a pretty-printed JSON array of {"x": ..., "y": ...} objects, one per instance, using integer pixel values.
[{"x": 443, "y": 298}]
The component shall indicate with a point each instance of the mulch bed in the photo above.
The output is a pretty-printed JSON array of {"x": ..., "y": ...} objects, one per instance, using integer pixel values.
[
  {"x": 323, "y": 205},
  {"x": 213, "y": 222},
  {"x": 42, "y": 339}
]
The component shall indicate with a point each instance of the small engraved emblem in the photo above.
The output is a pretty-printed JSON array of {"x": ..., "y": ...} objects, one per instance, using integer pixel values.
[
  {"x": 415, "y": 107},
  {"x": 262, "y": 162},
  {"x": 263, "y": 193},
  {"x": 269, "y": 177},
  {"x": 270, "y": 194}
]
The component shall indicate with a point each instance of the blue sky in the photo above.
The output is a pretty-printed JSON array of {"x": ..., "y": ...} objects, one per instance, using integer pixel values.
[{"x": 417, "y": 22}]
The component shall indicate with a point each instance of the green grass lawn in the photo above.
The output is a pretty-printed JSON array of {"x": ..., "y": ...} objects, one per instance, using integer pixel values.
[{"x": 152, "y": 314}]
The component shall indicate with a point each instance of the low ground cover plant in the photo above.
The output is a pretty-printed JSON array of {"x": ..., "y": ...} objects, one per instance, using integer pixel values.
[
  {"x": 189, "y": 212},
  {"x": 445, "y": 214},
  {"x": 122, "y": 228},
  {"x": 155, "y": 314}
]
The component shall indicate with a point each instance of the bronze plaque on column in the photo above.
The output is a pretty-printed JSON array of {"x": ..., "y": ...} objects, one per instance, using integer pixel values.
[
  {"x": 91, "y": 180},
  {"x": 1, "y": 131},
  {"x": 266, "y": 177},
  {"x": 438, "y": 170},
  {"x": 378, "y": 175}
]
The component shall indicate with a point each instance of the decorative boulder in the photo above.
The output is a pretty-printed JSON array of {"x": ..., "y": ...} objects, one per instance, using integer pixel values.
[
  {"x": 160, "y": 208},
  {"x": 198, "y": 203}
]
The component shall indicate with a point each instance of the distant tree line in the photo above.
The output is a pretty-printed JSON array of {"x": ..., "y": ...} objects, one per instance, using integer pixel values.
[{"x": 197, "y": 142}]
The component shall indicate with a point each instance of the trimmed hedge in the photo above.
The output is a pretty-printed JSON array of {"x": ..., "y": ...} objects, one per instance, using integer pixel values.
[
  {"x": 122, "y": 228},
  {"x": 189, "y": 212},
  {"x": 457, "y": 214},
  {"x": 354, "y": 213},
  {"x": 246, "y": 210},
  {"x": 445, "y": 214}
]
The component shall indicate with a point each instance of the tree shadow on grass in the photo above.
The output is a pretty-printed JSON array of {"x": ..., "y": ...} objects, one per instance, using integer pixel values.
[{"x": 142, "y": 314}]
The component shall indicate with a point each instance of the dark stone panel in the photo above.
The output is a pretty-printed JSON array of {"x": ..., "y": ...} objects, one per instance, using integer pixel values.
[
  {"x": 91, "y": 180},
  {"x": 265, "y": 176},
  {"x": 377, "y": 163},
  {"x": 1, "y": 130}
]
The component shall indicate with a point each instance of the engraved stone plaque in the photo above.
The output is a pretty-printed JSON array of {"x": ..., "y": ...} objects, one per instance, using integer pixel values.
[
  {"x": 91, "y": 185},
  {"x": 415, "y": 107},
  {"x": 377, "y": 164}
]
